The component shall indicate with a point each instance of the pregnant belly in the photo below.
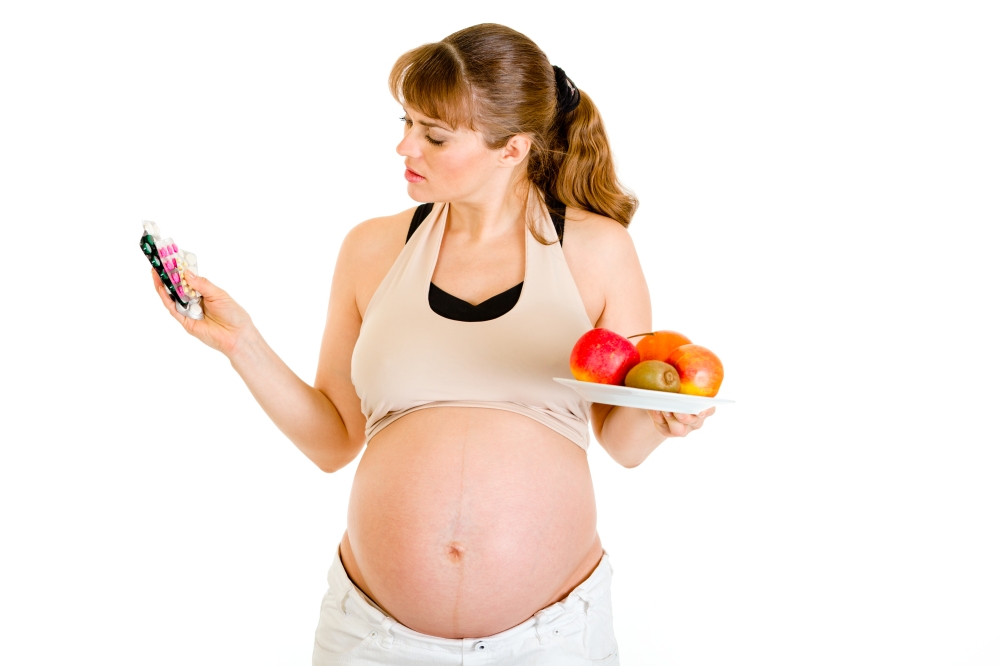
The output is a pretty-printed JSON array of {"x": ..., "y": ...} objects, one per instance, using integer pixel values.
[{"x": 464, "y": 522}]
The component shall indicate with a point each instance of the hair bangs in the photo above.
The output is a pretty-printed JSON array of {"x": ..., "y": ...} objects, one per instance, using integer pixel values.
[{"x": 430, "y": 79}]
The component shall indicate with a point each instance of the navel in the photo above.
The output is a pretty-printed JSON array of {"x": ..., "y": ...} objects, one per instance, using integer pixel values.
[{"x": 454, "y": 552}]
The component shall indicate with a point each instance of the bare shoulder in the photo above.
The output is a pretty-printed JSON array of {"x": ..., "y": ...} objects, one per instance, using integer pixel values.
[
  {"x": 368, "y": 252},
  {"x": 605, "y": 266},
  {"x": 376, "y": 237},
  {"x": 595, "y": 236}
]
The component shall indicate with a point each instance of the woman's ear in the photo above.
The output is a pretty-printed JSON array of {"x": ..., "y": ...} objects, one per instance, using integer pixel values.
[{"x": 516, "y": 151}]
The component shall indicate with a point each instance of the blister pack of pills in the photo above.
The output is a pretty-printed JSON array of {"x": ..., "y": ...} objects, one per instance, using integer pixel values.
[{"x": 172, "y": 264}]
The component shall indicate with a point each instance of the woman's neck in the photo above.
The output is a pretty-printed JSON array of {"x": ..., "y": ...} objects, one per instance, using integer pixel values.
[{"x": 492, "y": 217}]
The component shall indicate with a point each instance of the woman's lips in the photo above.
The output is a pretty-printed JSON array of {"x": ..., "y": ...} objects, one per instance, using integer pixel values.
[{"x": 413, "y": 176}]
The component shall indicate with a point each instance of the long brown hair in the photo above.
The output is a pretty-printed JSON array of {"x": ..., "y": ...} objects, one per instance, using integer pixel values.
[{"x": 495, "y": 80}]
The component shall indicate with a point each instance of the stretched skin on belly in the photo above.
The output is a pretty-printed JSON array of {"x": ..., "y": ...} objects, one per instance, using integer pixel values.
[{"x": 464, "y": 522}]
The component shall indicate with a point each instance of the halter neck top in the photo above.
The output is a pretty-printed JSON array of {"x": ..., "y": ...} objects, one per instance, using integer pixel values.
[{"x": 408, "y": 357}]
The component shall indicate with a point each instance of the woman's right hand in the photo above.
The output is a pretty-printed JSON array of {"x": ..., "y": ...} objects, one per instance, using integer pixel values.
[{"x": 225, "y": 325}]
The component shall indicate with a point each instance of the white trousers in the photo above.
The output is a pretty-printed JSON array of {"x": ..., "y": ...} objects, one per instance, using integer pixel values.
[{"x": 576, "y": 631}]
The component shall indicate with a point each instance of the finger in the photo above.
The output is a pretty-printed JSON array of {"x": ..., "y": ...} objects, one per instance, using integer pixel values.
[
  {"x": 161, "y": 291},
  {"x": 686, "y": 419},
  {"x": 677, "y": 428},
  {"x": 694, "y": 421},
  {"x": 671, "y": 427},
  {"x": 661, "y": 421},
  {"x": 157, "y": 282},
  {"x": 708, "y": 412},
  {"x": 168, "y": 302},
  {"x": 203, "y": 286},
  {"x": 658, "y": 417}
]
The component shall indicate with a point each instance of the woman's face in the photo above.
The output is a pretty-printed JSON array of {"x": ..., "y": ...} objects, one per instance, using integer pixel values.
[{"x": 444, "y": 163}]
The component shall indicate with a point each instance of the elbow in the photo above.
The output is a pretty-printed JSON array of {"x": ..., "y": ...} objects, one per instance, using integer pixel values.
[
  {"x": 631, "y": 463},
  {"x": 629, "y": 459},
  {"x": 626, "y": 458},
  {"x": 339, "y": 458},
  {"x": 331, "y": 465}
]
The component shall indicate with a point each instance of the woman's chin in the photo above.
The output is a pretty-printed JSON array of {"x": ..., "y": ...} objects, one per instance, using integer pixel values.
[{"x": 418, "y": 192}]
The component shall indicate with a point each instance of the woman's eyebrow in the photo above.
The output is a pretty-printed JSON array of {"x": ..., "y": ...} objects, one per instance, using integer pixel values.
[{"x": 427, "y": 124}]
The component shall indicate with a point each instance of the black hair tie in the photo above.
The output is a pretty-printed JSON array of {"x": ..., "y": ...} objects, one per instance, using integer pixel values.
[{"x": 567, "y": 94}]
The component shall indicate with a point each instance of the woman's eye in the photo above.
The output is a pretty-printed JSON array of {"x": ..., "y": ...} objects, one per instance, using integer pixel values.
[{"x": 409, "y": 124}]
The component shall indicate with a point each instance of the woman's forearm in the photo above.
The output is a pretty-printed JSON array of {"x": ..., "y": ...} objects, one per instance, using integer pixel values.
[
  {"x": 629, "y": 436},
  {"x": 303, "y": 413}
]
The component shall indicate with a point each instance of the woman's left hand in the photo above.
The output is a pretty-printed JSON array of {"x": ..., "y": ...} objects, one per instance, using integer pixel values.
[{"x": 672, "y": 424}]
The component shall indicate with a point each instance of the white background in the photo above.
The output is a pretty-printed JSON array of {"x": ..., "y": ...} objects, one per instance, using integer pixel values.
[{"x": 819, "y": 191}]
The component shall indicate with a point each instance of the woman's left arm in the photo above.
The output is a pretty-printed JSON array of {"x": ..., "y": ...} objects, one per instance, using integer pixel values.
[{"x": 629, "y": 435}]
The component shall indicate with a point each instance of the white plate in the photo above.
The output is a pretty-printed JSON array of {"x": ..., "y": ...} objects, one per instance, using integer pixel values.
[{"x": 623, "y": 396}]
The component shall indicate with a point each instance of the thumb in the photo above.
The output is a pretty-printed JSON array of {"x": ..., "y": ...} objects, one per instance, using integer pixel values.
[{"x": 203, "y": 285}]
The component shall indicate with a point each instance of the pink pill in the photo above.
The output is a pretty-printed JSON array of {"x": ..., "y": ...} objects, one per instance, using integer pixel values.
[{"x": 175, "y": 278}]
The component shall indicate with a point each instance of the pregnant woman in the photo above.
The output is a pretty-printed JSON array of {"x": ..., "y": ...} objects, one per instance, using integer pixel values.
[{"x": 471, "y": 531}]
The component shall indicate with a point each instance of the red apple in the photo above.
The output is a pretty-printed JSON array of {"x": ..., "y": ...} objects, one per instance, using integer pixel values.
[
  {"x": 602, "y": 356},
  {"x": 699, "y": 368}
]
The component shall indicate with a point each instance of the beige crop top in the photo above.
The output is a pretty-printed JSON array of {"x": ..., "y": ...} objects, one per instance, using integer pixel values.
[{"x": 408, "y": 357}]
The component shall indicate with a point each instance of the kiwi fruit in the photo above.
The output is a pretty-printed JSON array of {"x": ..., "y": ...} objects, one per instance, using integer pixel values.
[{"x": 654, "y": 376}]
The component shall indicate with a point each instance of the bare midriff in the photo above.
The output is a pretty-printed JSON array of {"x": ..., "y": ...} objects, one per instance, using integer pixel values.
[{"x": 463, "y": 522}]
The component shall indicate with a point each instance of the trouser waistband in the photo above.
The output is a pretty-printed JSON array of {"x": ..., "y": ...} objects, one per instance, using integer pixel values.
[{"x": 545, "y": 624}]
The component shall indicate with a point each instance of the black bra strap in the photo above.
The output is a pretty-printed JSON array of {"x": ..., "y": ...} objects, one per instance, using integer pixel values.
[
  {"x": 558, "y": 218},
  {"x": 419, "y": 215}
]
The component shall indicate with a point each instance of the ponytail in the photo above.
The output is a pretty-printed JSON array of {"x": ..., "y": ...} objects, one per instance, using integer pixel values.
[{"x": 582, "y": 171}]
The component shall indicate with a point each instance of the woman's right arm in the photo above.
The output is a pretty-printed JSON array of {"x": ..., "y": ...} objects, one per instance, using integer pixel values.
[{"x": 325, "y": 422}]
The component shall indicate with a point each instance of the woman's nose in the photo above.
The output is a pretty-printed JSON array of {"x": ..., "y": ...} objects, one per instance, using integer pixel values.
[{"x": 407, "y": 147}]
